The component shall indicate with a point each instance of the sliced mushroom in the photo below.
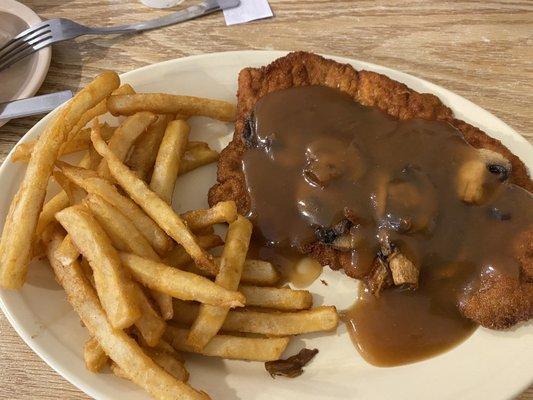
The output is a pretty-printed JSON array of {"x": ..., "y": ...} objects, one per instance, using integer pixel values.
[
  {"x": 496, "y": 163},
  {"x": 391, "y": 267},
  {"x": 470, "y": 180},
  {"x": 404, "y": 271},
  {"x": 329, "y": 235},
  {"x": 328, "y": 159},
  {"x": 292, "y": 366},
  {"x": 472, "y": 175},
  {"x": 411, "y": 202},
  {"x": 325, "y": 161},
  {"x": 380, "y": 278},
  {"x": 351, "y": 239},
  {"x": 343, "y": 243},
  {"x": 326, "y": 235},
  {"x": 386, "y": 246}
]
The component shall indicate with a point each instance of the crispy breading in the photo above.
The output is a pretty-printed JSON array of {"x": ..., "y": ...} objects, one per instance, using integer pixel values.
[{"x": 498, "y": 304}]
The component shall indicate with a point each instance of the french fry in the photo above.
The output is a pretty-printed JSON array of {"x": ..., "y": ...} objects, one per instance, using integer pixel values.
[
  {"x": 162, "y": 103},
  {"x": 94, "y": 356},
  {"x": 260, "y": 273},
  {"x": 168, "y": 159},
  {"x": 122, "y": 349},
  {"x": 179, "y": 284},
  {"x": 119, "y": 372},
  {"x": 211, "y": 318},
  {"x": 196, "y": 157},
  {"x": 169, "y": 363},
  {"x": 87, "y": 160},
  {"x": 94, "y": 159},
  {"x": 276, "y": 298},
  {"x": 21, "y": 222},
  {"x": 123, "y": 233},
  {"x": 224, "y": 211},
  {"x": 92, "y": 183},
  {"x": 178, "y": 257},
  {"x": 67, "y": 252},
  {"x": 323, "y": 318},
  {"x": 112, "y": 282},
  {"x": 152, "y": 204},
  {"x": 74, "y": 193},
  {"x": 124, "y": 137},
  {"x": 196, "y": 143},
  {"x": 167, "y": 348},
  {"x": 56, "y": 203},
  {"x": 231, "y": 347},
  {"x": 165, "y": 360},
  {"x": 255, "y": 272},
  {"x": 209, "y": 230},
  {"x": 149, "y": 324},
  {"x": 172, "y": 366},
  {"x": 99, "y": 109},
  {"x": 164, "y": 302},
  {"x": 81, "y": 142},
  {"x": 126, "y": 237},
  {"x": 162, "y": 346},
  {"x": 86, "y": 268},
  {"x": 48, "y": 213},
  {"x": 142, "y": 157},
  {"x": 104, "y": 218}
]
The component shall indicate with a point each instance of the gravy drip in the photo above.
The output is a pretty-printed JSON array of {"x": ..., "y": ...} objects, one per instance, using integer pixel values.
[{"x": 317, "y": 160}]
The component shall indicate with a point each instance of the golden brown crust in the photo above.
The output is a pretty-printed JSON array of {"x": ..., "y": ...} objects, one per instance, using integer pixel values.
[
  {"x": 370, "y": 89},
  {"x": 500, "y": 304},
  {"x": 523, "y": 248}
]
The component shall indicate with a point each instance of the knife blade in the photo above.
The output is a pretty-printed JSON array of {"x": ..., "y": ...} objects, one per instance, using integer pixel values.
[
  {"x": 33, "y": 105},
  {"x": 225, "y": 4}
]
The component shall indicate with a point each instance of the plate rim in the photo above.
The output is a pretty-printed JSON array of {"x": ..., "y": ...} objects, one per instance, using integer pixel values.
[
  {"x": 44, "y": 56},
  {"x": 94, "y": 391}
]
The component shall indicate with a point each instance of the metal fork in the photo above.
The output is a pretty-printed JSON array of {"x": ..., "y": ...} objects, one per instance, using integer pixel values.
[{"x": 60, "y": 29}]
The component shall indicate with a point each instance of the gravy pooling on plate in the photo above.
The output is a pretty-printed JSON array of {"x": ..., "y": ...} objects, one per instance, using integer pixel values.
[{"x": 423, "y": 215}]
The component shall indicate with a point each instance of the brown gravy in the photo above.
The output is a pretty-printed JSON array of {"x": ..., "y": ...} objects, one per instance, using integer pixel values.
[{"x": 316, "y": 159}]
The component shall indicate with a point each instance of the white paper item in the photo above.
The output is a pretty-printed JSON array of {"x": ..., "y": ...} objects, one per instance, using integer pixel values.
[{"x": 249, "y": 10}]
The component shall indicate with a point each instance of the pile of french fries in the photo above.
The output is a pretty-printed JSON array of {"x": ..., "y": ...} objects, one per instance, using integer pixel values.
[{"x": 138, "y": 274}]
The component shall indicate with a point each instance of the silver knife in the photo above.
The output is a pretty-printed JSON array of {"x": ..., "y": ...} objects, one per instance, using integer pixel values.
[{"x": 33, "y": 105}]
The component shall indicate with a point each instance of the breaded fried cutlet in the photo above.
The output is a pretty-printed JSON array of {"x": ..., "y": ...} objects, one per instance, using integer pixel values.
[{"x": 499, "y": 302}]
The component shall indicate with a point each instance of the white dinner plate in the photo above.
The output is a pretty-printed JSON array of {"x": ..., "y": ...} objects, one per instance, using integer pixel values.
[
  {"x": 488, "y": 365},
  {"x": 24, "y": 78}
]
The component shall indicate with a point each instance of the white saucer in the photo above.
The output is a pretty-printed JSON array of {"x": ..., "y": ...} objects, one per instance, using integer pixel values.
[{"x": 24, "y": 78}]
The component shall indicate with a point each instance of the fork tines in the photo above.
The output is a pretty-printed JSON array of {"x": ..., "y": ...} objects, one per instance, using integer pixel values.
[{"x": 25, "y": 43}]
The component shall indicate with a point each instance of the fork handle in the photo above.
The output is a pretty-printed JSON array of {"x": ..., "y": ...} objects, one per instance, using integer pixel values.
[{"x": 205, "y": 7}]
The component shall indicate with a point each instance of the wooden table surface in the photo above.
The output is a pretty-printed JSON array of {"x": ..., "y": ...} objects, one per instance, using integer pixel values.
[{"x": 482, "y": 50}]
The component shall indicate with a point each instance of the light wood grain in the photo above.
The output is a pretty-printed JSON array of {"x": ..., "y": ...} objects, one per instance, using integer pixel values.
[{"x": 482, "y": 50}]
